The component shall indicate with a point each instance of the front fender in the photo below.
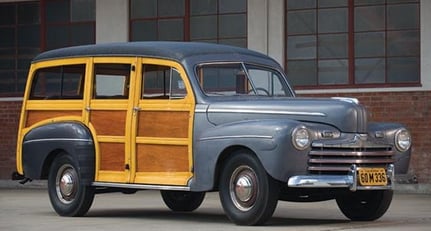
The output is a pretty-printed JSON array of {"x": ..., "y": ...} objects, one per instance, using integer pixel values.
[
  {"x": 401, "y": 159},
  {"x": 42, "y": 143},
  {"x": 270, "y": 140}
]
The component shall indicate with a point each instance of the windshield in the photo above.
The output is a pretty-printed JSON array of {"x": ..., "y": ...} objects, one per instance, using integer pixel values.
[{"x": 230, "y": 79}]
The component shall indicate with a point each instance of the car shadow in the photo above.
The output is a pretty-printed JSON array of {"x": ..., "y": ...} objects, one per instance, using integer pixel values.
[{"x": 202, "y": 217}]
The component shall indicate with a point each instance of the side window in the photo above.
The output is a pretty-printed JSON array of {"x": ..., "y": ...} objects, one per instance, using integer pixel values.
[
  {"x": 60, "y": 82},
  {"x": 266, "y": 82},
  {"x": 111, "y": 81},
  {"x": 162, "y": 82},
  {"x": 223, "y": 79}
]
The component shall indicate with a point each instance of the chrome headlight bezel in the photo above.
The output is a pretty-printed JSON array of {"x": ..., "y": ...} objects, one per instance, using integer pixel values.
[
  {"x": 403, "y": 140},
  {"x": 301, "y": 138}
]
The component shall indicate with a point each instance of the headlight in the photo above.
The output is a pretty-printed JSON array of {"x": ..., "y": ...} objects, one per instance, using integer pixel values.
[
  {"x": 301, "y": 138},
  {"x": 403, "y": 140}
]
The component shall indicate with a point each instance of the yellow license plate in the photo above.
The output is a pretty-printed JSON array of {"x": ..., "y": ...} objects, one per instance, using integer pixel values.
[{"x": 372, "y": 177}]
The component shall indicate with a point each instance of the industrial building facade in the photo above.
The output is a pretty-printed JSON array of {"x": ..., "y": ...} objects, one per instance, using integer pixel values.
[{"x": 378, "y": 51}]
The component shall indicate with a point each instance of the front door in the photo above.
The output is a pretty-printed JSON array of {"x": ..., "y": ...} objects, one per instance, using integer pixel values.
[
  {"x": 163, "y": 120},
  {"x": 109, "y": 107}
]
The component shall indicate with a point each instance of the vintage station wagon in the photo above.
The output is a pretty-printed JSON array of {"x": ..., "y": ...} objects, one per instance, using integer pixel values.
[{"x": 190, "y": 118}]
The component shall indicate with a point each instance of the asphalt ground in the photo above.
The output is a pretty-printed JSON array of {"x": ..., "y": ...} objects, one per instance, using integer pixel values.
[{"x": 29, "y": 209}]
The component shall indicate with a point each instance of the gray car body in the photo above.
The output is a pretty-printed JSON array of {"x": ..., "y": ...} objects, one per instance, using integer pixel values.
[{"x": 261, "y": 125}]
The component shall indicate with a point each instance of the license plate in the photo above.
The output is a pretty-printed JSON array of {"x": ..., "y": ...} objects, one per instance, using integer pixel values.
[{"x": 372, "y": 177}]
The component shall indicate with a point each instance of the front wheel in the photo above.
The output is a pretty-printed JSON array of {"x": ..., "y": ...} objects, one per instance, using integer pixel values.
[
  {"x": 68, "y": 195},
  {"x": 248, "y": 194},
  {"x": 365, "y": 205},
  {"x": 180, "y": 201}
]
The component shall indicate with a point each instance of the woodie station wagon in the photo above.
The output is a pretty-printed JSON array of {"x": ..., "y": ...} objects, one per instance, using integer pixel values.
[{"x": 189, "y": 118}]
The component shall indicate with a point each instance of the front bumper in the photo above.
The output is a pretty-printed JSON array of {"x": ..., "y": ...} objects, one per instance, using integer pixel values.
[{"x": 339, "y": 181}]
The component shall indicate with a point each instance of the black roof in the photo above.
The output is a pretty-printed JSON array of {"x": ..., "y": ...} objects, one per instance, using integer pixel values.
[{"x": 161, "y": 49}]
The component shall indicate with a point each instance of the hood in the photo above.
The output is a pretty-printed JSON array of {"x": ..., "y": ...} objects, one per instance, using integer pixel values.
[{"x": 345, "y": 115}]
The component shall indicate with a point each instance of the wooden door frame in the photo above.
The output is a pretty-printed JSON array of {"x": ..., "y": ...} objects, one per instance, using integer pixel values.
[
  {"x": 120, "y": 143},
  {"x": 153, "y": 176}
]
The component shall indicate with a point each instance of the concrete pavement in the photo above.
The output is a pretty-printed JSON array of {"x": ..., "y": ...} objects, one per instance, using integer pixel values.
[{"x": 29, "y": 209}]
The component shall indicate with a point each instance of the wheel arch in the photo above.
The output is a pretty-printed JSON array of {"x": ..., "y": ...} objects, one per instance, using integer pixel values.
[
  {"x": 43, "y": 143},
  {"x": 227, "y": 153},
  {"x": 48, "y": 162}
]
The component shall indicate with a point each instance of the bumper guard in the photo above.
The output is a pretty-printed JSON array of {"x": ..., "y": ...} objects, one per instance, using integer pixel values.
[{"x": 339, "y": 181}]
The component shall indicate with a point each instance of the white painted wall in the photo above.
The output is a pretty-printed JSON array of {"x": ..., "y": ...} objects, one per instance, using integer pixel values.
[
  {"x": 426, "y": 45},
  {"x": 265, "y": 27},
  {"x": 112, "y": 21}
]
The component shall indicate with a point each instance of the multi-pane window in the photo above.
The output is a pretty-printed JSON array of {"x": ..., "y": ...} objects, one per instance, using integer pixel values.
[
  {"x": 353, "y": 43},
  {"x": 157, "y": 20},
  {"x": 29, "y": 27},
  {"x": 68, "y": 23},
  {"x": 19, "y": 43},
  {"x": 217, "y": 21}
]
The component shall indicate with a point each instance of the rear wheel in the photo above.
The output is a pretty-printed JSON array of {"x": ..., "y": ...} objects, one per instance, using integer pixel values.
[
  {"x": 68, "y": 195},
  {"x": 181, "y": 201},
  {"x": 365, "y": 205},
  {"x": 248, "y": 194}
]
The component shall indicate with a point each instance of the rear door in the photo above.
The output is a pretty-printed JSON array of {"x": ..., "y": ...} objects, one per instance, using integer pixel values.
[{"x": 109, "y": 108}]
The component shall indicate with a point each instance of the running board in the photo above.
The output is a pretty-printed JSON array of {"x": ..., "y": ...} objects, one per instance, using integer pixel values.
[{"x": 140, "y": 186}]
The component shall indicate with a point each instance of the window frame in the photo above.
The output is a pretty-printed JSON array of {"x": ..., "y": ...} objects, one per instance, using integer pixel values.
[
  {"x": 68, "y": 25},
  {"x": 19, "y": 67},
  {"x": 186, "y": 18},
  {"x": 351, "y": 81}
]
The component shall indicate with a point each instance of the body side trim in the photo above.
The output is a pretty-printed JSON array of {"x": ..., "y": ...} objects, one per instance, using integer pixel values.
[
  {"x": 57, "y": 139},
  {"x": 140, "y": 186},
  {"x": 236, "y": 137}
]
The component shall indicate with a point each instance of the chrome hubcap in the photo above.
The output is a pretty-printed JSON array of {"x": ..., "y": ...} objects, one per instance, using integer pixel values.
[
  {"x": 66, "y": 184},
  {"x": 243, "y": 188}
]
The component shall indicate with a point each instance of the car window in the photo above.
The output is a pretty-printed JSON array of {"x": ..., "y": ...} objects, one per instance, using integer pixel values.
[
  {"x": 162, "y": 82},
  {"x": 60, "y": 82},
  {"x": 228, "y": 79},
  {"x": 111, "y": 81}
]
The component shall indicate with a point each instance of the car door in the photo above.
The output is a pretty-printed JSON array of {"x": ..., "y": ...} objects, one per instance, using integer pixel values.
[
  {"x": 109, "y": 109},
  {"x": 163, "y": 125}
]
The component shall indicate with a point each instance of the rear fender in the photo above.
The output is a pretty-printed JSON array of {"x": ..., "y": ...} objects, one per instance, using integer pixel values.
[{"x": 42, "y": 143}]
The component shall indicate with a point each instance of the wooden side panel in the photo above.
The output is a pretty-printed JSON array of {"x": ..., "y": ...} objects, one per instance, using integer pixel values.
[
  {"x": 172, "y": 124},
  {"x": 34, "y": 116},
  {"x": 110, "y": 123},
  {"x": 162, "y": 158},
  {"x": 112, "y": 157}
]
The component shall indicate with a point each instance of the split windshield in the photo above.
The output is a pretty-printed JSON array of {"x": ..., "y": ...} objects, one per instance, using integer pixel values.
[{"x": 231, "y": 79}]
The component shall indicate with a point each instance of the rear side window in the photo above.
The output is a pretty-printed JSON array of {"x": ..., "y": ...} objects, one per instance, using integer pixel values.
[
  {"x": 60, "y": 82},
  {"x": 111, "y": 81}
]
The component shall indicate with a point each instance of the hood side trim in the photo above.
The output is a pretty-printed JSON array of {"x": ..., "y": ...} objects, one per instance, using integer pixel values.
[{"x": 297, "y": 113}]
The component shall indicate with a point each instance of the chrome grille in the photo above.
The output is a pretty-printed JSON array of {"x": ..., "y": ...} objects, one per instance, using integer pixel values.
[{"x": 339, "y": 160}]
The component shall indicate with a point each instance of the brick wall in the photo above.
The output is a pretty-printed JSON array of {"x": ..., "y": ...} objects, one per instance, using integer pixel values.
[
  {"x": 412, "y": 109},
  {"x": 9, "y": 119}
]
